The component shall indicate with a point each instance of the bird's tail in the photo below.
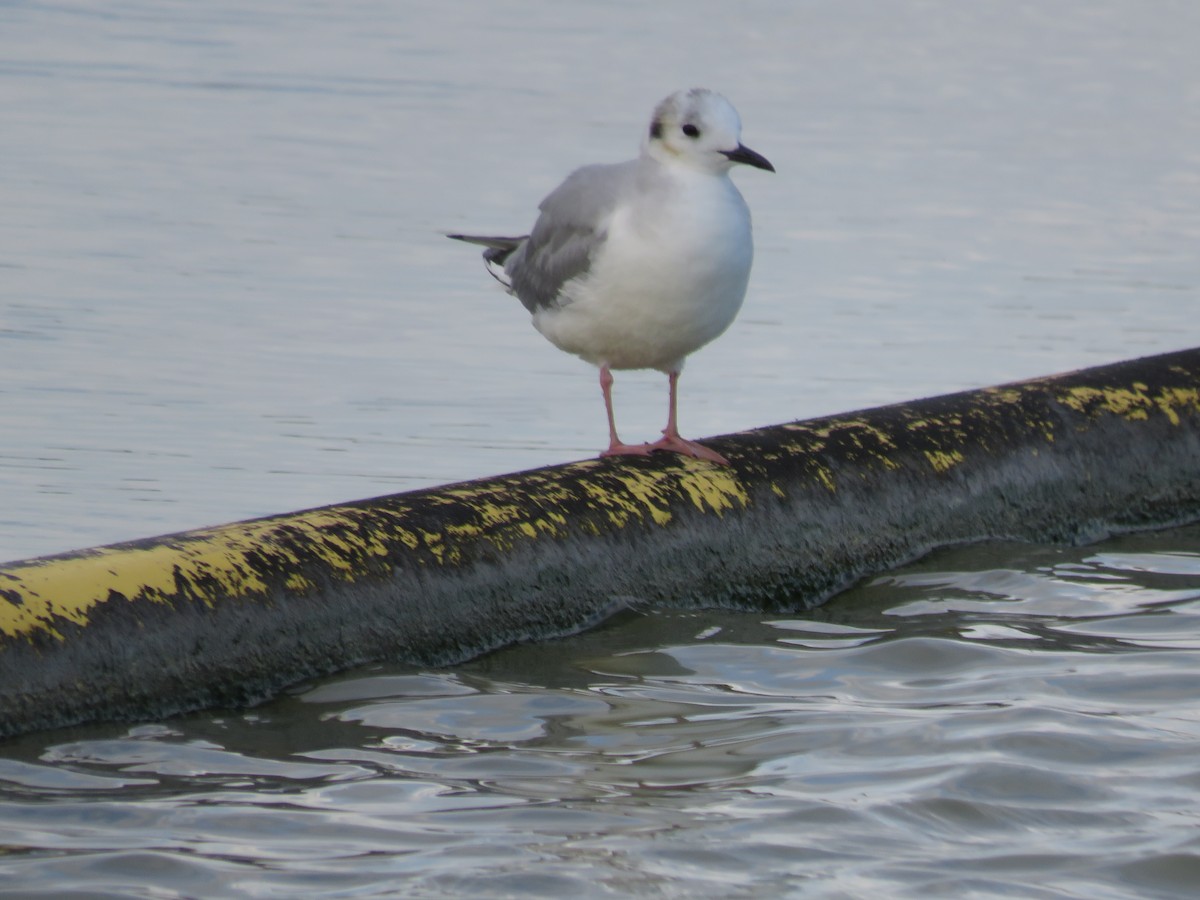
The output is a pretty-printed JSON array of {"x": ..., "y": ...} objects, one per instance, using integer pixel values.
[
  {"x": 498, "y": 248},
  {"x": 496, "y": 243}
]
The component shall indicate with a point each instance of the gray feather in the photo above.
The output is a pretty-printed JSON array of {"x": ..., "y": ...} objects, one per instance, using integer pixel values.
[{"x": 571, "y": 228}]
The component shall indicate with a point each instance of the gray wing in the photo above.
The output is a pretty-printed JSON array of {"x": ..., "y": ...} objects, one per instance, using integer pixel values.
[{"x": 572, "y": 226}]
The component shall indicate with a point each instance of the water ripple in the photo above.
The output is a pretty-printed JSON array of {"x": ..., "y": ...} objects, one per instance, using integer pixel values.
[{"x": 997, "y": 720}]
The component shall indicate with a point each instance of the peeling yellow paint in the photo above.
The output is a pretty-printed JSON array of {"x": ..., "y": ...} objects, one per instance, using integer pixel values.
[
  {"x": 714, "y": 489},
  {"x": 244, "y": 559},
  {"x": 434, "y": 544},
  {"x": 826, "y": 478},
  {"x": 943, "y": 460},
  {"x": 297, "y": 582},
  {"x": 1173, "y": 399},
  {"x": 1136, "y": 404},
  {"x": 642, "y": 486},
  {"x": 68, "y": 588},
  {"x": 1121, "y": 401},
  {"x": 1004, "y": 394},
  {"x": 205, "y": 565}
]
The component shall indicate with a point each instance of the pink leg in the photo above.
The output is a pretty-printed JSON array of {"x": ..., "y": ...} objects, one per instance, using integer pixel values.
[
  {"x": 671, "y": 439},
  {"x": 615, "y": 447}
]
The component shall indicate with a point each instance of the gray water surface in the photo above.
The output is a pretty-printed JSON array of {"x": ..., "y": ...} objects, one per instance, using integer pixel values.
[
  {"x": 224, "y": 292},
  {"x": 998, "y": 720}
]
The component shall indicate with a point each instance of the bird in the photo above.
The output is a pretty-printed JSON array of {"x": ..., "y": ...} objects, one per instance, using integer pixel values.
[{"x": 638, "y": 264}]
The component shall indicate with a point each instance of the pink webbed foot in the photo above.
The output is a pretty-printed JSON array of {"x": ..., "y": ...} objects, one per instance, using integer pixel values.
[
  {"x": 616, "y": 448},
  {"x": 670, "y": 441},
  {"x": 676, "y": 444}
]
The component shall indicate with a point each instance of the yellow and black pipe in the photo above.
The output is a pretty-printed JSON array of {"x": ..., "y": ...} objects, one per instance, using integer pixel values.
[{"x": 228, "y": 615}]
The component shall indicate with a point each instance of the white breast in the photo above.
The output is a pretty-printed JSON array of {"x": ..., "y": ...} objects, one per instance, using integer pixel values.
[{"x": 669, "y": 278}]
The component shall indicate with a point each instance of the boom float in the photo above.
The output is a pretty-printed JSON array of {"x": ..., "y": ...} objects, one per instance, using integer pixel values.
[{"x": 228, "y": 615}]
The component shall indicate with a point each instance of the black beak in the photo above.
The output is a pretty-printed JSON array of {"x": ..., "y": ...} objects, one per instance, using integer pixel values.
[{"x": 744, "y": 154}]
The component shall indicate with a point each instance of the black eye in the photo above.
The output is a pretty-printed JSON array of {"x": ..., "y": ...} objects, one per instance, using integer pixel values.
[{"x": 691, "y": 130}]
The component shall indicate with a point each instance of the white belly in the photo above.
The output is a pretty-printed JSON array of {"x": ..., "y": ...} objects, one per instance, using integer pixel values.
[{"x": 662, "y": 286}]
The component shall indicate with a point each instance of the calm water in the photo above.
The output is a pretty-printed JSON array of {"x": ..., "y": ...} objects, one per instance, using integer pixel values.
[{"x": 224, "y": 293}]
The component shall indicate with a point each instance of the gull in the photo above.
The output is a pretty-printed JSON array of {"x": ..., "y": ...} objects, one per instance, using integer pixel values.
[{"x": 636, "y": 265}]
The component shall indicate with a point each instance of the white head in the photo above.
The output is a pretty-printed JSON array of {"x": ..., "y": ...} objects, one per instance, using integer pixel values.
[{"x": 701, "y": 129}]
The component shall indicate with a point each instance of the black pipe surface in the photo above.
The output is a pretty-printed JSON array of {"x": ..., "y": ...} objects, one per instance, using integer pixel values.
[{"x": 229, "y": 615}]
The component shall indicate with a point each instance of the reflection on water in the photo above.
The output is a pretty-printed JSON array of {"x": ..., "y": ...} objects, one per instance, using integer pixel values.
[{"x": 994, "y": 720}]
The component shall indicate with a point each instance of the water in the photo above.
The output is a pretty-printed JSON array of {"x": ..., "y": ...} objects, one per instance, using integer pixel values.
[
  {"x": 999, "y": 720},
  {"x": 224, "y": 293},
  {"x": 224, "y": 290}
]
